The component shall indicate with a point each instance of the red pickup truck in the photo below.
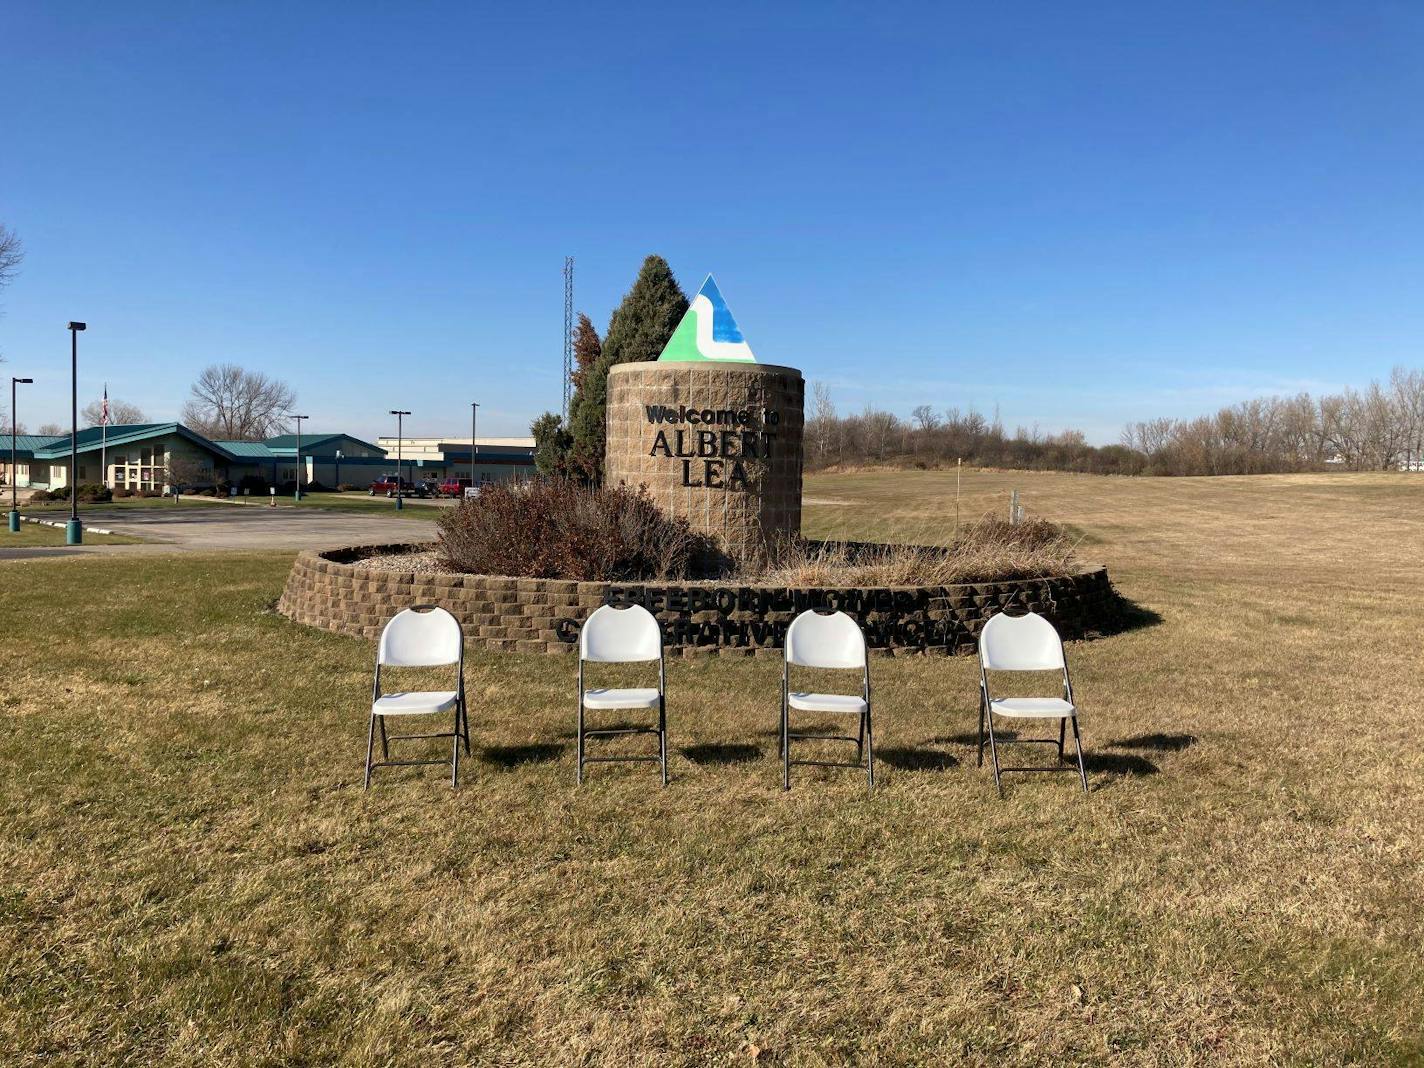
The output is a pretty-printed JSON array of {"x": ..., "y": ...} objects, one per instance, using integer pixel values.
[{"x": 454, "y": 487}]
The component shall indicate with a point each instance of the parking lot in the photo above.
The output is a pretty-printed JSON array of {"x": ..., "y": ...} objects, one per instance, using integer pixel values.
[{"x": 236, "y": 527}]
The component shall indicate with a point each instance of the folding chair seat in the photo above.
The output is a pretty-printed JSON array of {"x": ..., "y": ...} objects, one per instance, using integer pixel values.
[
  {"x": 1025, "y": 643},
  {"x": 833, "y": 642},
  {"x": 421, "y": 637},
  {"x": 647, "y": 698},
  {"x": 423, "y": 702},
  {"x": 622, "y": 636}
]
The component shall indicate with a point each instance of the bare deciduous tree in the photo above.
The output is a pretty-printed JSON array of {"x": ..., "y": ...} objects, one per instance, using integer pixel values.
[
  {"x": 49, "y": 430},
  {"x": 11, "y": 253},
  {"x": 120, "y": 413},
  {"x": 822, "y": 425},
  {"x": 230, "y": 402},
  {"x": 185, "y": 471}
]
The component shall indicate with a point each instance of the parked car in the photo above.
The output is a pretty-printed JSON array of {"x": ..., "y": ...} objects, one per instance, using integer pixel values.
[
  {"x": 426, "y": 487},
  {"x": 388, "y": 485}
]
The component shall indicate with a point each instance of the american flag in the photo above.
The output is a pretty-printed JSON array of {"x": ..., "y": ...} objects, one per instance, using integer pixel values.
[{"x": 104, "y": 418}]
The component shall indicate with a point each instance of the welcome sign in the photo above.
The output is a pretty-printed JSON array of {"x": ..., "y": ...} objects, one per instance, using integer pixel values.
[
  {"x": 713, "y": 458},
  {"x": 709, "y": 433}
]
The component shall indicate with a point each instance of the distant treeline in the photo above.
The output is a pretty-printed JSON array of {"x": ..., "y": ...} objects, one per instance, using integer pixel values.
[{"x": 1378, "y": 428}]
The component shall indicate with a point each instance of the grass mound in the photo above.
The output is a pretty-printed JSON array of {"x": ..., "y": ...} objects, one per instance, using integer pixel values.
[{"x": 991, "y": 549}]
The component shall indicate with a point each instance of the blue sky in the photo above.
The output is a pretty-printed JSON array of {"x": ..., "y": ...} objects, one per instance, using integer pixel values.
[{"x": 1082, "y": 213}]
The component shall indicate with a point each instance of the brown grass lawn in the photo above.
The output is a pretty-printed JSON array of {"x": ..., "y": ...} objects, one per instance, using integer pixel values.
[
  {"x": 33, "y": 534},
  {"x": 191, "y": 874}
]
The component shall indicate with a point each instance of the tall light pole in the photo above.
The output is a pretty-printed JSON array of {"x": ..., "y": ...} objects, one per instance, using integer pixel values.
[
  {"x": 400, "y": 471},
  {"x": 74, "y": 530},
  {"x": 14, "y": 429},
  {"x": 474, "y": 437},
  {"x": 298, "y": 419}
]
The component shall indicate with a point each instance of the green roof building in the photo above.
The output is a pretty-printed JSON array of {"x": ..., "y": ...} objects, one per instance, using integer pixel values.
[{"x": 153, "y": 456}]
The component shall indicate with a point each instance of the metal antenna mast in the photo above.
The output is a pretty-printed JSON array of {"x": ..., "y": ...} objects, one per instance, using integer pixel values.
[{"x": 568, "y": 333}]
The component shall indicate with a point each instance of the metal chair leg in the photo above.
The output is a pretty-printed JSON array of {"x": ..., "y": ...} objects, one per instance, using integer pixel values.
[
  {"x": 1062, "y": 729},
  {"x": 860, "y": 739},
  {"x": 455, "y": 751},
  {"x": 785, "y": 745},
  {"x": 662, "y": 740},
  {"x": 994, "y": 753},
  {"x": 465, "y": 721},
  {"x": 869, "y": 747},
  {"x": 579, "y": 745},
  {"x": 979, "y": 763},
  {"x": 1078, "y": 745},
  {"x": 385, "y": 744},
  {"x": 370, "y": 748}
]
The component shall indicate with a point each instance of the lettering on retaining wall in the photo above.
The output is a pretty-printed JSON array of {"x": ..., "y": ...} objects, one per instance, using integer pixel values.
[{"x": 751, "y": 616}]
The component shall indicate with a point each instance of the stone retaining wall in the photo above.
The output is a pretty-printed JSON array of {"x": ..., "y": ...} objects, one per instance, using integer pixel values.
[{"x": 333, "y": 591}]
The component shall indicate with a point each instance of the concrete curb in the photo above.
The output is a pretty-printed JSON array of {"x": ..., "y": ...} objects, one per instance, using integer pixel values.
[{"x": 61, "y": 526}]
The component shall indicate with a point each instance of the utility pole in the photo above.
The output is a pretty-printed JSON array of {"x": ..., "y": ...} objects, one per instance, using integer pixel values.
[
  {"x": 298, "y": 420},
  {"x": 568, "y": 334},
  {"x": 400, "y": 471},
  {"x": 474, "y": 439},
  {"x": 74, "y": 530},
  {"x": 14, "y": 486}
]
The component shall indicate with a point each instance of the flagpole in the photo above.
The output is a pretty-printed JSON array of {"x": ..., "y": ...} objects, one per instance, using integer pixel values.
[{"x": 104, "y": 440}]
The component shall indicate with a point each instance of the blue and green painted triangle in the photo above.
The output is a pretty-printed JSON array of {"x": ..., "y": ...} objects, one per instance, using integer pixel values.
[{"x": 707, "y": 331}]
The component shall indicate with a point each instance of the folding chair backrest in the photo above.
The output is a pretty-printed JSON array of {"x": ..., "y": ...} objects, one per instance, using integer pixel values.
[
  {"x": 818, "y": 641},
  {"x": 420, "y": 639},
  {"x": 621, "y": 635},
  {"x": 1020, "y": 643}
]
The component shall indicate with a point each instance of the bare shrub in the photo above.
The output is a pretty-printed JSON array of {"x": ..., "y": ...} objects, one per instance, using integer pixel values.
[{"x": 563, "y": 530}]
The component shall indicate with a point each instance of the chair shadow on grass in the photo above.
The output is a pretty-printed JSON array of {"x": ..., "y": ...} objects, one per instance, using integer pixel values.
[
  {"x": 1161, "y": 743},
  {"x": 971, "y": 738},
  {"x": 1117, "y": 763},
  {"x": 910, "y": 758},
  {"x": 721, "y": 753},
  {"x": 1093, "y": 759},
  {"x": 511, "y": 756}
]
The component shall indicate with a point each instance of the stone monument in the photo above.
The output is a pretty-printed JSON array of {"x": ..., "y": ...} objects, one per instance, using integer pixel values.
[{"x": 714, "y": 436}]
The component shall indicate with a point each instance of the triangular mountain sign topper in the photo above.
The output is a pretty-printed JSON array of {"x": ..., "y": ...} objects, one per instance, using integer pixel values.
[{"x": 707, "y": 331}]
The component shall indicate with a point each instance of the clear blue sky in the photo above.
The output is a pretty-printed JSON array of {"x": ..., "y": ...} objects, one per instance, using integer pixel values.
[{"x": 1083, "y": 213}]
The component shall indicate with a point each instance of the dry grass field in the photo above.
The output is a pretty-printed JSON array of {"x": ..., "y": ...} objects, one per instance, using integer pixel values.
[
  {"x": 191, "y": 874},
  {"x": 35, "y": 534}
]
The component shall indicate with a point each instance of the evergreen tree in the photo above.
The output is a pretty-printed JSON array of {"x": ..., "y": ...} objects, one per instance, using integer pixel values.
[
  {"x": 551, "y": 445},
  {"x": 587, "y": 349},
  {"x": 638, "y": 330}
]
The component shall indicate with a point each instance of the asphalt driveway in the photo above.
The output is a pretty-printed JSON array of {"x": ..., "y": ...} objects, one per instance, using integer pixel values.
[{"x": 236, "y": 527}]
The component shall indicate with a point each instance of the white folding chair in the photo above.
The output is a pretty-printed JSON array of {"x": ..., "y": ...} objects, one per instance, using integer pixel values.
[
  {"x": 422, "y": 636},
  {"x": 622, "y": 636},
  {"x": 1025, "y": 643},
  {"x": 826, "y": 641}
]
